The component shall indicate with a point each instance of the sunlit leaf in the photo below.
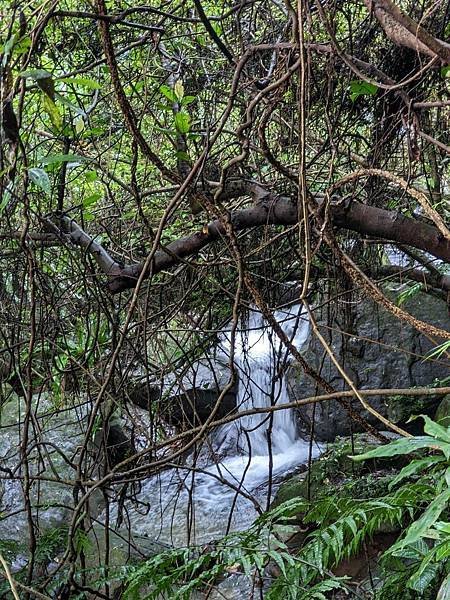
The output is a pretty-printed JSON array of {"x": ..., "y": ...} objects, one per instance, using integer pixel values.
[
  {"x": 362, "y": 88},
  {"x": 53, "y": 111},
  {"x": 91, "y": 176},
  {"x": 92, "y": 199},
  {"x": 85, "y": 82},
  {"x": 40, "y": 178},
  {"x": 168, "y": 93},
  {"x": 182, "y": 122},
  {"x": 22, "y": 46},
  {"x": 79, "y": 124},
  {"x": 179, "y": 89}
]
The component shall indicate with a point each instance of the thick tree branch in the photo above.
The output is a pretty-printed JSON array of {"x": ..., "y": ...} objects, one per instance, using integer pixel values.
[
  {"x": 366, "y": 220},
  {"x": 402, "y": 30},
  {"x": 80, "y": 238}
]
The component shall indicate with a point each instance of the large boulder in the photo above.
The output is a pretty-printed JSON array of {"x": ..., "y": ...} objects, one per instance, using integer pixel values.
[
  {"x": 189, "y": 397},
  {"x": 377, "y": 351}
]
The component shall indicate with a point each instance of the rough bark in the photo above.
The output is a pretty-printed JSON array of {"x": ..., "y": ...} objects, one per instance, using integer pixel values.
[{"x": 366, "y": 220}]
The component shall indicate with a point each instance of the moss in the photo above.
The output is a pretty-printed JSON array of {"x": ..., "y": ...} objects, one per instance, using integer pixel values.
[
  {"x": 335, "y": 473},
  {"x": 401, "y": 408}
]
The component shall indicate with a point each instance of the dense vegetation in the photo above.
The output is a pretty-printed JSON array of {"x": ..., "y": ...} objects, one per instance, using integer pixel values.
[{"x": 164, "y": 167}]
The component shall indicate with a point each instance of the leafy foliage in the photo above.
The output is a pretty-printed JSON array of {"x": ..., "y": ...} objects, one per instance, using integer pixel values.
[{"x": 74, "y": 149}]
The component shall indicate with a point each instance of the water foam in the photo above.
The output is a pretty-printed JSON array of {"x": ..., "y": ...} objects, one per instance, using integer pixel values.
[{"x": 188, "y": 504}]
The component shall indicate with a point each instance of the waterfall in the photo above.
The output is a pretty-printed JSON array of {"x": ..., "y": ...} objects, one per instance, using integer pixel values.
[
  {"x": 197, "y": 501},
  {"x": 260, "y": 359}
]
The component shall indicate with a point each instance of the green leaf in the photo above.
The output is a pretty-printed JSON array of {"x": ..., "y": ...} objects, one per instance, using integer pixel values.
[
  {"x": 400, "y": 446},
  {"x": 168, "y": 93},
  {"x": 182, "y": 122},
  {"x": 5, "y": 199},
  {"x": 92, "y": 132},
  {"x": 164, "y": 107},
  {"x": 443, "y": 526},
  {"x": 422, "y": 578},
  {"x": 85, "y": 82},
  {"x": 181, "y": 155},
  {"x": 59, "y": 158},
  {"x": 53, "y": 111},
  {"x": 91, "y": 176},
  {"x": 445, "y": 72},
  {"x": 40, "y": 178},
  {"x": 22, "y": 45},
  {"x": 79, "y": 124},
  {"x": 420, "y": 527},
  {"x": 416, "y": 466},
  {"x": 36, "y": 74},
  {"x": 92, "y": 199},
  {"x": 188, "y": 100},
  {"x": 436, "y": 353},
  {"x": 7, "y": 48},
  {"x": 179, "y": 89},
  {"x": 437, "y": 431},
  {"x": 76, "y": 109},
  {"x": 362, "y": 88},
  {"x": 410, "y": 292}
]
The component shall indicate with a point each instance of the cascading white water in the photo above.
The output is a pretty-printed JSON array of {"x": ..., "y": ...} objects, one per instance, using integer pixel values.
[
  {"x": 260, "y": 359},
  {"x": 193, "y": 504}
]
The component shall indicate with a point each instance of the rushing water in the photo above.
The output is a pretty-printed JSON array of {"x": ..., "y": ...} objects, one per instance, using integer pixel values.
[{"x": 196, "y": 505}]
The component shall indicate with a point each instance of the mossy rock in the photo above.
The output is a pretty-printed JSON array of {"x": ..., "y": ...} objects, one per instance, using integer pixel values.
[
  {"x": 442, "y": 415},
  {"x": 335, "y": 473},
  {"x": 402, "y": 408}
]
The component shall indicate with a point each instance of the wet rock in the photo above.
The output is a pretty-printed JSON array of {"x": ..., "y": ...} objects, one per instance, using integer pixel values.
[
  {"x": 188, "y": 398},
  {"x": 113, "y": 444},
  {"x": 56, "y": 445},
  {"x": 377, "y": 351}
]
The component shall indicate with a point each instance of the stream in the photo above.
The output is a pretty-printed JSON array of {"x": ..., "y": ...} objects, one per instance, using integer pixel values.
[
  {"x": 220, "y": 488},
  {"x": 207, "y": 498}
]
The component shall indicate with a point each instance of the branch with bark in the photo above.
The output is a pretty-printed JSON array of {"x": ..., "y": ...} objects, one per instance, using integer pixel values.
[
  {"x": 404, "y": 31},
  {"x": 272, "y": 210}
]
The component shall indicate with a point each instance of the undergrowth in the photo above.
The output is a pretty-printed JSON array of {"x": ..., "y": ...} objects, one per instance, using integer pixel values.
[{"x": 415, "y": 566}]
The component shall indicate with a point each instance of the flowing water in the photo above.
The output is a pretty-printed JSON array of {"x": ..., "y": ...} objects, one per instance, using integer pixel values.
[
  {"x": 197, "y": 505},
  {"x": 223, "y": 489}
]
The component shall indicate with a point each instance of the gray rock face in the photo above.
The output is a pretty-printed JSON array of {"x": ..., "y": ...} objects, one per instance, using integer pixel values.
[
  {"x": 49, "y": 499},
  {"x": 377, "y": 351}
]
